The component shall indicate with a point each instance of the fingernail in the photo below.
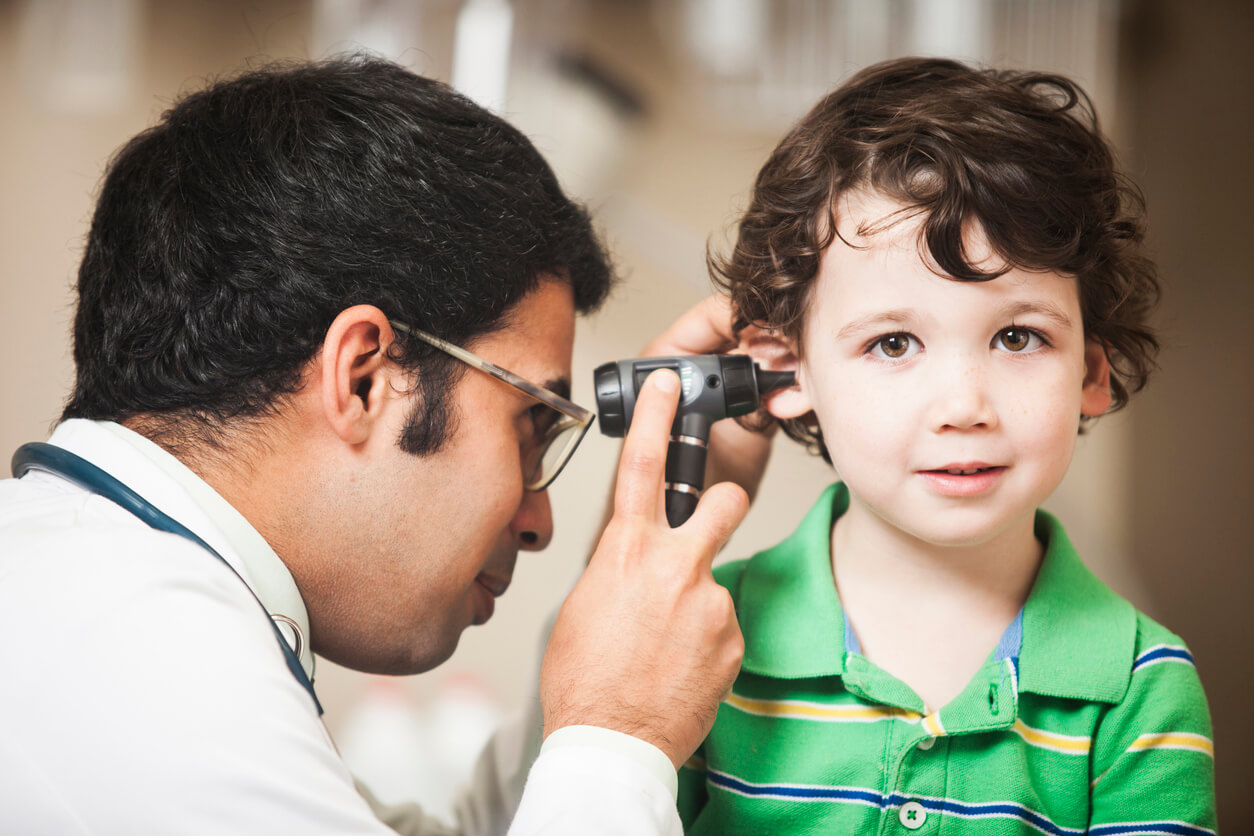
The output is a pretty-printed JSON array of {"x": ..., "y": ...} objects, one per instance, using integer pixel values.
[{"x": 665, "y": 380}]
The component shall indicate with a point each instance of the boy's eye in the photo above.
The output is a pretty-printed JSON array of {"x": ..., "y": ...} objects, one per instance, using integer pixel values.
[
  {"x": 895, "y": 346},
  {"x": 1018, "y": 340}
]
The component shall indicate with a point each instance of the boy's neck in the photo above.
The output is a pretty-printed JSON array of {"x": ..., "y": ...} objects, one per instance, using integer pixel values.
[
  {"x": 930, "y": 614},
  {"x": 1001, "y": 568}
]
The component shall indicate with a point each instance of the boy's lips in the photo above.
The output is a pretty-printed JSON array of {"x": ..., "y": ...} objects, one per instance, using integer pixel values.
[
  {"x": 963, "y": 478},
  {"x": 961, "y": 467}
]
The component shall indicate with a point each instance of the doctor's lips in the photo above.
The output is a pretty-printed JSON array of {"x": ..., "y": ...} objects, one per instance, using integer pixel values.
[
  {"x": 494, "y": 584},
  {"x": 491, "y": 587}
]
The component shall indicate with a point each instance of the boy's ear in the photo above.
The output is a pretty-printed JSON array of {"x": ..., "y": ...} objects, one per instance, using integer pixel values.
[
  {"x": 777, "y": 353},
  {"x": 1095, "y": 397},
  {"x": 353, "y": 378}
]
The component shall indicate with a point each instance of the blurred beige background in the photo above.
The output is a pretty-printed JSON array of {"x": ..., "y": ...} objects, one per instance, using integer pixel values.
[{"x": 658, "y": 114}]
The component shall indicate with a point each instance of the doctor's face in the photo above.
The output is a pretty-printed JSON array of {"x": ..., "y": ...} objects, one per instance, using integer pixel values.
[{"x": 436, "y": 536}]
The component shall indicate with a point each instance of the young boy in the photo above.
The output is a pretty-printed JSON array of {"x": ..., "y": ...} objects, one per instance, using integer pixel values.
[{"x": 951, "y": 264}]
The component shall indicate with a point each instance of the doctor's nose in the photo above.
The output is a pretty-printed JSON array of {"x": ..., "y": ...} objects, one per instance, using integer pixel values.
[
  {"x": 961, "y": 397},
  {"x": 532, "y": 526}
]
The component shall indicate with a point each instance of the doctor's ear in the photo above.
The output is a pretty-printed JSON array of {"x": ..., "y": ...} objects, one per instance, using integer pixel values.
[
  {"x": 353, "y": 371},
  {"x": 777, "y": 353}
]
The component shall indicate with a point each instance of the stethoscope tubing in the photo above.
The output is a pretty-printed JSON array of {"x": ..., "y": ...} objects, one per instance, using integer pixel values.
[{"x": 73, "y": 468}]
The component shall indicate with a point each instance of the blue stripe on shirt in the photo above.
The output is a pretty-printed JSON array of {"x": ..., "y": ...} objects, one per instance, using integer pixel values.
[
  {"x": 803, "y": 792},
  {"x": 1159, "y": 654}
]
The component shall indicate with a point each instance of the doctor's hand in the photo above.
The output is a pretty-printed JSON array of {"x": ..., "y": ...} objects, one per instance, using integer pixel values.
[
  {"x": 647, "y": 643},
  {"x": 735, "y": 454}
]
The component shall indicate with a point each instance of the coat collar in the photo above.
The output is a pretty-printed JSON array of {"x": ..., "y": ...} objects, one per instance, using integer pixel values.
[{"x": 171, "y": 486}]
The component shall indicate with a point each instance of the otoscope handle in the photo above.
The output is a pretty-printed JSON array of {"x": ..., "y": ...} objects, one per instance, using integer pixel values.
[
  {"x": 685, "y": 475},
  {"x": 679, "y": 507}
]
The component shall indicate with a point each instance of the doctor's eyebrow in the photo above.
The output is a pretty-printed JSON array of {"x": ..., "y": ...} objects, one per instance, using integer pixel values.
[{"x": 558, "y": 386}]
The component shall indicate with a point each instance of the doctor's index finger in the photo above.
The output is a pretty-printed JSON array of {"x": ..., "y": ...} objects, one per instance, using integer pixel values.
[{"x": 642, "y": 465}]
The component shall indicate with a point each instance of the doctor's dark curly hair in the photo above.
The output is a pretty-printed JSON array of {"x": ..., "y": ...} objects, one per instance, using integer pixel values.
[
  {"x": 1019, "y": 153},
  {"x": 227, "y": 238}
]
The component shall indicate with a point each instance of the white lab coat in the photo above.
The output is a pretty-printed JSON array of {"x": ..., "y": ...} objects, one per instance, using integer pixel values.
[{"x": 142, "y": 689}]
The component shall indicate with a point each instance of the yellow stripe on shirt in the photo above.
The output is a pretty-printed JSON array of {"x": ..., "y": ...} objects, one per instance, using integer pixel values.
[
  {"x": 1174, "y": 740},
  {"x": 1067, "y": 744},
  {"x": 800, "y": 710}
]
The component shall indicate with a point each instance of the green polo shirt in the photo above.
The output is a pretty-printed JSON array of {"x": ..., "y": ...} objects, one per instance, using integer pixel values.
[{"x": 1087, "y": 718}]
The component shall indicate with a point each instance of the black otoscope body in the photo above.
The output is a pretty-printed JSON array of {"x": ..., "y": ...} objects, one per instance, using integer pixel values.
[{"x": 712, "y": 387}]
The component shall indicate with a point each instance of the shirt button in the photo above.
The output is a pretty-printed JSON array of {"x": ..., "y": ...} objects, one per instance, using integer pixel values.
[
  {"x": 927, "y": 743},
  {"x": 912, "y": 815}
]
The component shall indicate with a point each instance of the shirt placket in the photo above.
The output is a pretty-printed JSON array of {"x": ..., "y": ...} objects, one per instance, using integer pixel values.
[{"x": 917, "y": 754}]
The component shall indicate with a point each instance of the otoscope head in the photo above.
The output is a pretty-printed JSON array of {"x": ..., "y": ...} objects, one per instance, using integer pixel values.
[
  {"x": 769, "y": 381},
  {"x": 712, "y": 387},
  {"x": 611, "y": 412}
]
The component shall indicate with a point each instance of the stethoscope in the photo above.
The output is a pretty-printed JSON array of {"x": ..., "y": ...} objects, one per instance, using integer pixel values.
[{"x": 76, "y": 469}]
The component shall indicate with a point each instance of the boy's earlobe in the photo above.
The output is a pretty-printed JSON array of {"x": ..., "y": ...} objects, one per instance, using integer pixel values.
[
  {"x": 1096, "y": 397},
  {"x": 777, "y": 353}
]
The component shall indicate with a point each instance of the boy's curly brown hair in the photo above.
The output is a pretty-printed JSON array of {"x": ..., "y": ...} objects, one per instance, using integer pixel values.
[{"x": 1019, "y": 153}]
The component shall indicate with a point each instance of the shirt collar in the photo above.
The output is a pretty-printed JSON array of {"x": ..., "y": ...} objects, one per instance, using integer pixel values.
[
  {"x": 172, "y": 487},
  {"x": 1079, "y": 637},
  {"x": 1076, "y": 638},
  {"x": 790, "y": 615}
]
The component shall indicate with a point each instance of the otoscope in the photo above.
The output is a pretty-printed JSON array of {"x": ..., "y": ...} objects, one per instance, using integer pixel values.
[{"x": 712, "y": 387}]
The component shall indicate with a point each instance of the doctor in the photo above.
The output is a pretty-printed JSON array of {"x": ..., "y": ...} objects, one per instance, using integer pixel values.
[{"x": 323, "y": 344}]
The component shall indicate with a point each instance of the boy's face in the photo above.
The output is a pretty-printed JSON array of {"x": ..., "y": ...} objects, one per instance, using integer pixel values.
[{"x": 949, "y": 408}]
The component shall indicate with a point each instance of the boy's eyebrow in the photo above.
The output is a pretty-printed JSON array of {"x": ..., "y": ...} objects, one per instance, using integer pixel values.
[
  {"x": 1045, "y": 309},
  {"x": 905, "y": 316},
  {"x": 901, "y": 316}
]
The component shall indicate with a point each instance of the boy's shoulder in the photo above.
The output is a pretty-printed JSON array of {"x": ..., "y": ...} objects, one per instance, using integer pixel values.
[
  {"x": 1156, "y": 643},
  {"x": 1163, "y": 666}
]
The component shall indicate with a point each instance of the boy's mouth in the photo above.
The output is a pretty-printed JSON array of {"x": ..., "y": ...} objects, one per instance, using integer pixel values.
[
  {"x": 963, "y": 468},
  {"x": 964, "y": 478}
]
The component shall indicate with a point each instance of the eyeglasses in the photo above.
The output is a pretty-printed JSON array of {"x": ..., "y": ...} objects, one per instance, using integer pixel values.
[{"x": 558, "y": 424}]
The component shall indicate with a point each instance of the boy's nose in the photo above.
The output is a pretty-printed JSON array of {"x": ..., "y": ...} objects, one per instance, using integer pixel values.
[
  {"x": 961, "y": 400},
  {"x": 532, "y": 526}
]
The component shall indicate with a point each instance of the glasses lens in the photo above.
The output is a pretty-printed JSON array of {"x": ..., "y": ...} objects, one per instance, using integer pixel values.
[{"x": 556, "y": 436}]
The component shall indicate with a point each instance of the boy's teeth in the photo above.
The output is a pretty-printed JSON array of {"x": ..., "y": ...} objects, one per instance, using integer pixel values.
[{"x": 963, "y": 472}]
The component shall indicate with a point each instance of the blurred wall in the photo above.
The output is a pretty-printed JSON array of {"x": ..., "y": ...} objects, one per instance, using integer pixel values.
[
  {"x": 1189, "y": 77},
  {"x": 1152, "y": 498}
]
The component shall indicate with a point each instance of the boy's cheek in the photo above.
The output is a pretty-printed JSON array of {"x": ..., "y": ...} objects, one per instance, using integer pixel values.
[{"x": 872, "y": 421}]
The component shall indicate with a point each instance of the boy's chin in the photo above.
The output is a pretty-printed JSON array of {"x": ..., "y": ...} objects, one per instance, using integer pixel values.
[
  {"x": 967, "y": 528},
  {"x": 974, "y": 533}
]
